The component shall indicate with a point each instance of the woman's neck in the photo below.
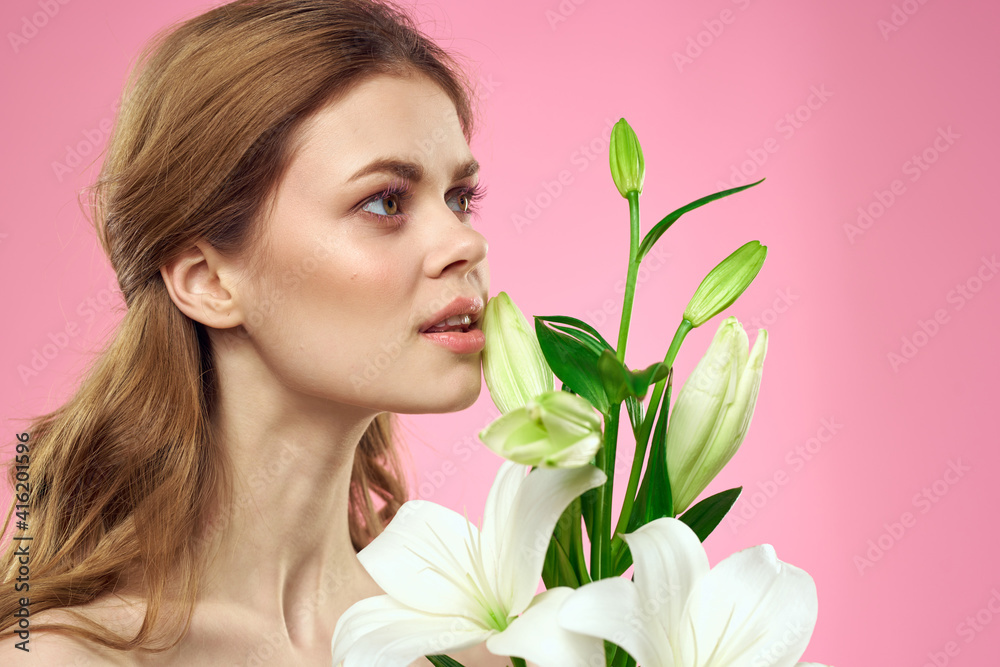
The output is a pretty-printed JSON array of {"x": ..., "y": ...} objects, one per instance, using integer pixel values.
[{"x": 279, "y": 547}]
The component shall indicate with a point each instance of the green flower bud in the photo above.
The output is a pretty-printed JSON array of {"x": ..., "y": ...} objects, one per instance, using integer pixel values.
[
  {"x": 724, "y": 284},
  {"x": 556, "y": 429},
  {"x": 713, "y": 411},
  {"x": 513, "y": 364},
  {"x": 627, "y": 166}
]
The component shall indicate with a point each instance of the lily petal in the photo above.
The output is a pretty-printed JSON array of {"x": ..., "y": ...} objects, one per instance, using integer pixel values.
[
  {"x": 421, "y": 559},
  {"x": 735, "y": 416},
  {"x": 694, "y": 420},
  {"x": 380, "y": 632},
  {"x": 669, "y": 561},
  {"x": 499, "y": 501},
  {"x": 751, "y": 609},
  {"x": 537, "y": 636},
  {"x": 515, "y": 431},
  {"x": 612, "y": 609},
  {"x": 541, "y": 500}
]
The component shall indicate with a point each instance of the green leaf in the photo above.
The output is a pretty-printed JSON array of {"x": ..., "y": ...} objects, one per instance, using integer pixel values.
[
  {"x": 574, "y": 363},
  {"x": 620, "y": 383},
  {"x": 706, "y": 515},
  {"x": 640, "y": 380},
  {"x": 558, "y": 569},
  {"x": 656, "y": 232},
  {"x": 654, "y": 499},
  {"x": 443, "y": 661},
  {"x": 576, "y": 554},
  {"x": 635, "y": 414},
  {"x": 550, "y": 566},
  {"x": 588, "y": 503},
  {"x": 615, "y": 379},
  {"x": 593, "y": 339},
  {"x": 583, "y": 330},
  {"x": 623, "y": 561}
]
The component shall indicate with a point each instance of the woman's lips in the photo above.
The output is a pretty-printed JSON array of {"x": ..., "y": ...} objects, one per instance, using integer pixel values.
[{"x": 460, "y": 342}]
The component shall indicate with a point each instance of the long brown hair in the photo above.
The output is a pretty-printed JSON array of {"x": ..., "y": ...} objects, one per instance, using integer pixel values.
[{"x": 122, "y": 474}]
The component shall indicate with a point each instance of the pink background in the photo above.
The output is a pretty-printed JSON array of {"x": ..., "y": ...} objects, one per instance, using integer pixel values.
[{"x": 844, "y": 441}]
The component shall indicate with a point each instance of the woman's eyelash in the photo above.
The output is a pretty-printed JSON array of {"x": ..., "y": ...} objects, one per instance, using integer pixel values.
[
  {"x": 475, "y": 195},
  {"x": 402, "y": 189}
]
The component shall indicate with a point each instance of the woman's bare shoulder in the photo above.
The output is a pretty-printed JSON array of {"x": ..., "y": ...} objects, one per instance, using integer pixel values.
[
  {"x": 55, "y": 649},
  {"x": 58, "y": 648}
]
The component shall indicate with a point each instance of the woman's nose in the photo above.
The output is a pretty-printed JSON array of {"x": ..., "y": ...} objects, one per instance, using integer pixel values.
[{"x": 456, "y": 245}]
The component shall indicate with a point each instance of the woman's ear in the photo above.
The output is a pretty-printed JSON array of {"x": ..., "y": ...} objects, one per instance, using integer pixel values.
[{"x": 201, "y": 283}]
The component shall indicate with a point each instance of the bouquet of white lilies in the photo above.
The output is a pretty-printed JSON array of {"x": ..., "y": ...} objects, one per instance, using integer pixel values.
[{"x": 451, "y": 585}]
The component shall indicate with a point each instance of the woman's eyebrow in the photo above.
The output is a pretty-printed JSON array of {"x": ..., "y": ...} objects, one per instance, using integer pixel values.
[{"x": 411, "y": 171}]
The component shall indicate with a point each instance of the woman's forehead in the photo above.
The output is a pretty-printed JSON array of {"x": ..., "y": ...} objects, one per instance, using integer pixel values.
[{"x": 411, "y": 118}]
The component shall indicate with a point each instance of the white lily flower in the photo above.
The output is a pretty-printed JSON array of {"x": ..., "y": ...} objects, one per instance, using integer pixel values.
[
  {"x": 713, "y": 411},
  {"x": 750, "y": 610},
  {"x": 514, "y": 366},
  {"x": 450, "y": 586},
  {"x": 555, "y": 429}
]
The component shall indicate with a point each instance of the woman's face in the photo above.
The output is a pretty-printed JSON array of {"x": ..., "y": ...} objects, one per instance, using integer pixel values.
[{"x": 351, "y": 273}]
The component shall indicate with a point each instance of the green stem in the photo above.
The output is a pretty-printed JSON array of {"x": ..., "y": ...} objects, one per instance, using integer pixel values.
[
  {"x": 611, "y": 445},
  {"x": 600, "y": 547},
  {"x": 596, "y": 548},
  {"x": 576, "y": 544},
  {"x": 621, "y": 657},
  {"x": 633, "y": 270},
  {"x": 517, "y": 662},
  {"x": 643, "y": 441},
  {"x": 682, "y": 330}
]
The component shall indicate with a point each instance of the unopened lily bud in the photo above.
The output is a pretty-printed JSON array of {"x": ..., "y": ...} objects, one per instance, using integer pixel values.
[
  {"x": 556, "y": 429},
  {"x": 513, "y": 364},
  {"x": 724, "y": 284},
  {"x": 627, "y": 165},
  {"x": 713, "y": 411}
]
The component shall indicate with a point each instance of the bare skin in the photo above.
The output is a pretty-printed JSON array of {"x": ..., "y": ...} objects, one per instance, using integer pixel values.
[{"x": 294, "y": 396}]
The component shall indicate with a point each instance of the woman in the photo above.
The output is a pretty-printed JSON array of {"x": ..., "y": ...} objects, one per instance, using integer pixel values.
[{"x": 287, "y": 195}]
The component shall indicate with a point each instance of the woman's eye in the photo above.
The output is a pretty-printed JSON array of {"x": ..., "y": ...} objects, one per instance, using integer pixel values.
[
  {"x": 465, "y": 201},
  {"x": 390, "y": 207},
  {"x": 387, "y": 203},
  {"x": 469, "y": 198}
]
